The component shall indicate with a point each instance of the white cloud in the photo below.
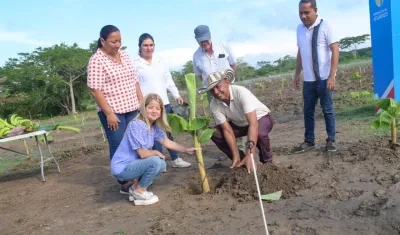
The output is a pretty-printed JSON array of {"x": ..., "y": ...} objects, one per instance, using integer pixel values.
[
  {"x": 22, "y": 38},
  {"x": 259, "y": 35},
  {"x": 176, "y": 58}
]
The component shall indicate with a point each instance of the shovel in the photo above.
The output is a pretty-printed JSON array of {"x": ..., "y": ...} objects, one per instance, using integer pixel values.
[{"x": 250, "y": 145}]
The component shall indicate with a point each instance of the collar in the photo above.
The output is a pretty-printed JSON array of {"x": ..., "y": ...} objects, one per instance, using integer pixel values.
[
  {"x": 211, "y": 48},
  {"x": 317, "y": 21},
  {"x": 104, "y": 54}
]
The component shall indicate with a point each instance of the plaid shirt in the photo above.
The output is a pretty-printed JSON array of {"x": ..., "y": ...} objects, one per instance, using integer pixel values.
[{"x": 116, "y": 80}]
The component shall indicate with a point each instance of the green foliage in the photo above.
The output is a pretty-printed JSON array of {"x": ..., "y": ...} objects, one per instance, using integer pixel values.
[
  {"x": 390, "y": 112},
  {"x": 356, "y": 75},
  {"x": 47, "y": 82},
  {"x": 388, "y": 118},
  {"x": 353, "y": 43},
  {"x": 197, "y": 125}
]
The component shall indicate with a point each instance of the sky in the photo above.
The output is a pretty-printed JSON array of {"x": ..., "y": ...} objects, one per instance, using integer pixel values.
[{"x": 255, "y": 29}]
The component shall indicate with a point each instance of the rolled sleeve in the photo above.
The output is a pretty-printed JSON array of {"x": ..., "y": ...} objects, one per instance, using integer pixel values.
[
  {"x": 158, "y": 134},
  {"x": 218, "y": 116},
  {"x": 96, "y": 74},
  {"x": 248, "y": 100},
  {"x": 297, "y": 35},
  {"x": 195, "y": 67},
  {"x": 330, "y": 35},
  {"x": 137, "y": 135},
  {"x": 170, "y": 84},
  {"x": 231, "y": 56}
]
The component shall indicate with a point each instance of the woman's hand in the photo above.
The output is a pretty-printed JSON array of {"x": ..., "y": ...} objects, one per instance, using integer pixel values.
[
  {"x": 112, "y": 121},
  {"x": 179, "y": 100}
]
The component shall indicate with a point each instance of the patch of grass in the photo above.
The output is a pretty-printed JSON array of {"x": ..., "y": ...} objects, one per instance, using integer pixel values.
[
  {"x": 8, "y": 164},
  {"x": 122, "y": 232},
  {"x": 362, "y": 111}
]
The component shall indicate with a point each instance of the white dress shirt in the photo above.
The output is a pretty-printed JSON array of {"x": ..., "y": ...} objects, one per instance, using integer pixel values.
[{"x": 155, "y": 77}]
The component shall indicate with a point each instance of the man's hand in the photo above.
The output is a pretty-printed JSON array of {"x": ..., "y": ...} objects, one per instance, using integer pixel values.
[
  {"x": 331, "y": 83},
  {"x": 296, "y": 82},
  {"x": 248, "y": 162},
  {"x": 235, "y": 162}
]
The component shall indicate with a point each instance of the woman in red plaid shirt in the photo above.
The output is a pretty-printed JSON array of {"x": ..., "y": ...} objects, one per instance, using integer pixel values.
[{"x": 115, "y": 87}]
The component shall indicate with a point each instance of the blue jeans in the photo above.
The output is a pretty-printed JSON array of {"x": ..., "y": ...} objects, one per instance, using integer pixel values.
[
  {"x": 114, "y": 137},
  {"x": 313, "y": 91},
  {"x": 144, "y": 169},
  {"x": 157, "y": 146}
]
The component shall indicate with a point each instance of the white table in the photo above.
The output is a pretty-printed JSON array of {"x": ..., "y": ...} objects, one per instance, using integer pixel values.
[{"x": 42, "y": 159}]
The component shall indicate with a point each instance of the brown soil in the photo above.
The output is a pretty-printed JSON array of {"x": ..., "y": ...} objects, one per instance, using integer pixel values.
[
  {"x": 271, "y": 178},
  {"x": 353, "y": 191}
]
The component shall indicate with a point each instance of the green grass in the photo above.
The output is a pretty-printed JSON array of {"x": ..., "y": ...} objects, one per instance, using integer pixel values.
[
  {"x": 362, "y": 111},
  {"x": 7, "y": 164}
]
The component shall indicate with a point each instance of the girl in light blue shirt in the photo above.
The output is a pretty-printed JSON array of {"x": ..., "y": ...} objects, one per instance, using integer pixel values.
[{"x": 135, "y": 160}]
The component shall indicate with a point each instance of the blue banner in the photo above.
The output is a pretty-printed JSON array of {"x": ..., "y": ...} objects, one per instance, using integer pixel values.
[{"x": 385, "y": 47}]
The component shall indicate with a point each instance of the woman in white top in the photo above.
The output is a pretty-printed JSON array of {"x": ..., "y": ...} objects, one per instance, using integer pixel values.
[{"x": 155, "y": 77}]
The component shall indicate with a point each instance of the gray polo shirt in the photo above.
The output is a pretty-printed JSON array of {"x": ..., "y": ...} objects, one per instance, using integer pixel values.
[
  {"x": 242, "y": 102},
  {"x": 221, "y": 59}
]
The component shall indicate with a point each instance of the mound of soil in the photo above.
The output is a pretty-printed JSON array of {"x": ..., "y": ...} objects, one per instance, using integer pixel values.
[
  {"x": 78, "y": 152},
  {"x": 367, "y": 149},
  {"x": 271, "y": 178}
]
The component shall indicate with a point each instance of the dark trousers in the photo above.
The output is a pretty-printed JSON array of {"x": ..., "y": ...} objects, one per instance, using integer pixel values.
[
  {"x": 157, "y": 146},
  {"x": 265, "y": 125},
  {"x": 114, "y": 137},
  {"x": 312, "y": 91}
]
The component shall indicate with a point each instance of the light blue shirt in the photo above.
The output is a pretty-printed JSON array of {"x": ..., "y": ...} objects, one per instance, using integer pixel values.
[
  {"x": 221, "y": 59},
  {"x": 137, "y": 136}
]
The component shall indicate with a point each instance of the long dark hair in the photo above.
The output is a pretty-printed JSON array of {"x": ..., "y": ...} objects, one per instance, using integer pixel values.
[
  {"x": 142, "y": 38},
  {"x": 105, "y": 32}
]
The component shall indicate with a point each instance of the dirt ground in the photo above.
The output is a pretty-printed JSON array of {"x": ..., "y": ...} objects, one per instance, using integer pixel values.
[{"x": 353, "y": 191}]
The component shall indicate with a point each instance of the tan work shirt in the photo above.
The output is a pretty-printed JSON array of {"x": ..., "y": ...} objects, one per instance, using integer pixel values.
[{"x": 242, "y": 102}]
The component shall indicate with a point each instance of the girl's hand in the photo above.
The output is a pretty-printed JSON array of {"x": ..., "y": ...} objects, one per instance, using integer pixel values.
[
  {"x": 157, "y": 153},
  {"x": 190, "y": 150}
]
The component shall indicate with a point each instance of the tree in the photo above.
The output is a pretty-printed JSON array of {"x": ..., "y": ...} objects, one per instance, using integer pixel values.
[
  {"x": 49, "y": 80},
  {"x": 179, "y": 76},
  {"x": 243, "y": 70},
  {"x": 353, "y": 43}
]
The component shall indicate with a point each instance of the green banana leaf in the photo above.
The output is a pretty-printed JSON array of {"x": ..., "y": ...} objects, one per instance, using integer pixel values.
[
  {"x": 272, "y": 196},
  {"x": 198, "y": 123},
  {"x": 205, "y": 135},
  {"x": 191, "y": 86},
  {"x": 178, "y": 124},
  {"x": 52, "y": 127}
]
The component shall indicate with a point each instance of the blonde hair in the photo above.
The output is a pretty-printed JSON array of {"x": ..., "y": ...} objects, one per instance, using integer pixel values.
[{"x": 162, "y": 121}]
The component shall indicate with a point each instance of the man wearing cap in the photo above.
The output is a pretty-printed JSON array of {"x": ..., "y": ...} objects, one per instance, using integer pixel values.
[
  {"x": 211, "y": 57},
  {"x": 237, "y": 113}
]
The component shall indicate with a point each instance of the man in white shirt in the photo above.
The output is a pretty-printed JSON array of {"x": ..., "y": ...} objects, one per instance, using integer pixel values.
[
  {"x": 238, "y": 113},
  {"x": 212, "y": 57},
  {"x": 318, "y": 56}
]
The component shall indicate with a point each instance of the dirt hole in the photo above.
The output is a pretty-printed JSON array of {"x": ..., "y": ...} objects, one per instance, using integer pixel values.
[{"x": 241, "y": 185}]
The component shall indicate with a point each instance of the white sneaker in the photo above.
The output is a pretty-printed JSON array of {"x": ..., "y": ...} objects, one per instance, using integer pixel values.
[
  {"x": 179, "y": 162},
  {"x": 143, "y": 199},
  {"x": 132, "y": 194}
]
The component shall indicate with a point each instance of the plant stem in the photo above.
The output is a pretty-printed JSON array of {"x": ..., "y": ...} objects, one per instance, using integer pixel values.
[
  {"x": 200, "y": 164},
  {"x": 394, "y": 133}
]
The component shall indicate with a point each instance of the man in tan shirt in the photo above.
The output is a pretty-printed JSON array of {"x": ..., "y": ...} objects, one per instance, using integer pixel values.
[{"x": 237, "y": 112}]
